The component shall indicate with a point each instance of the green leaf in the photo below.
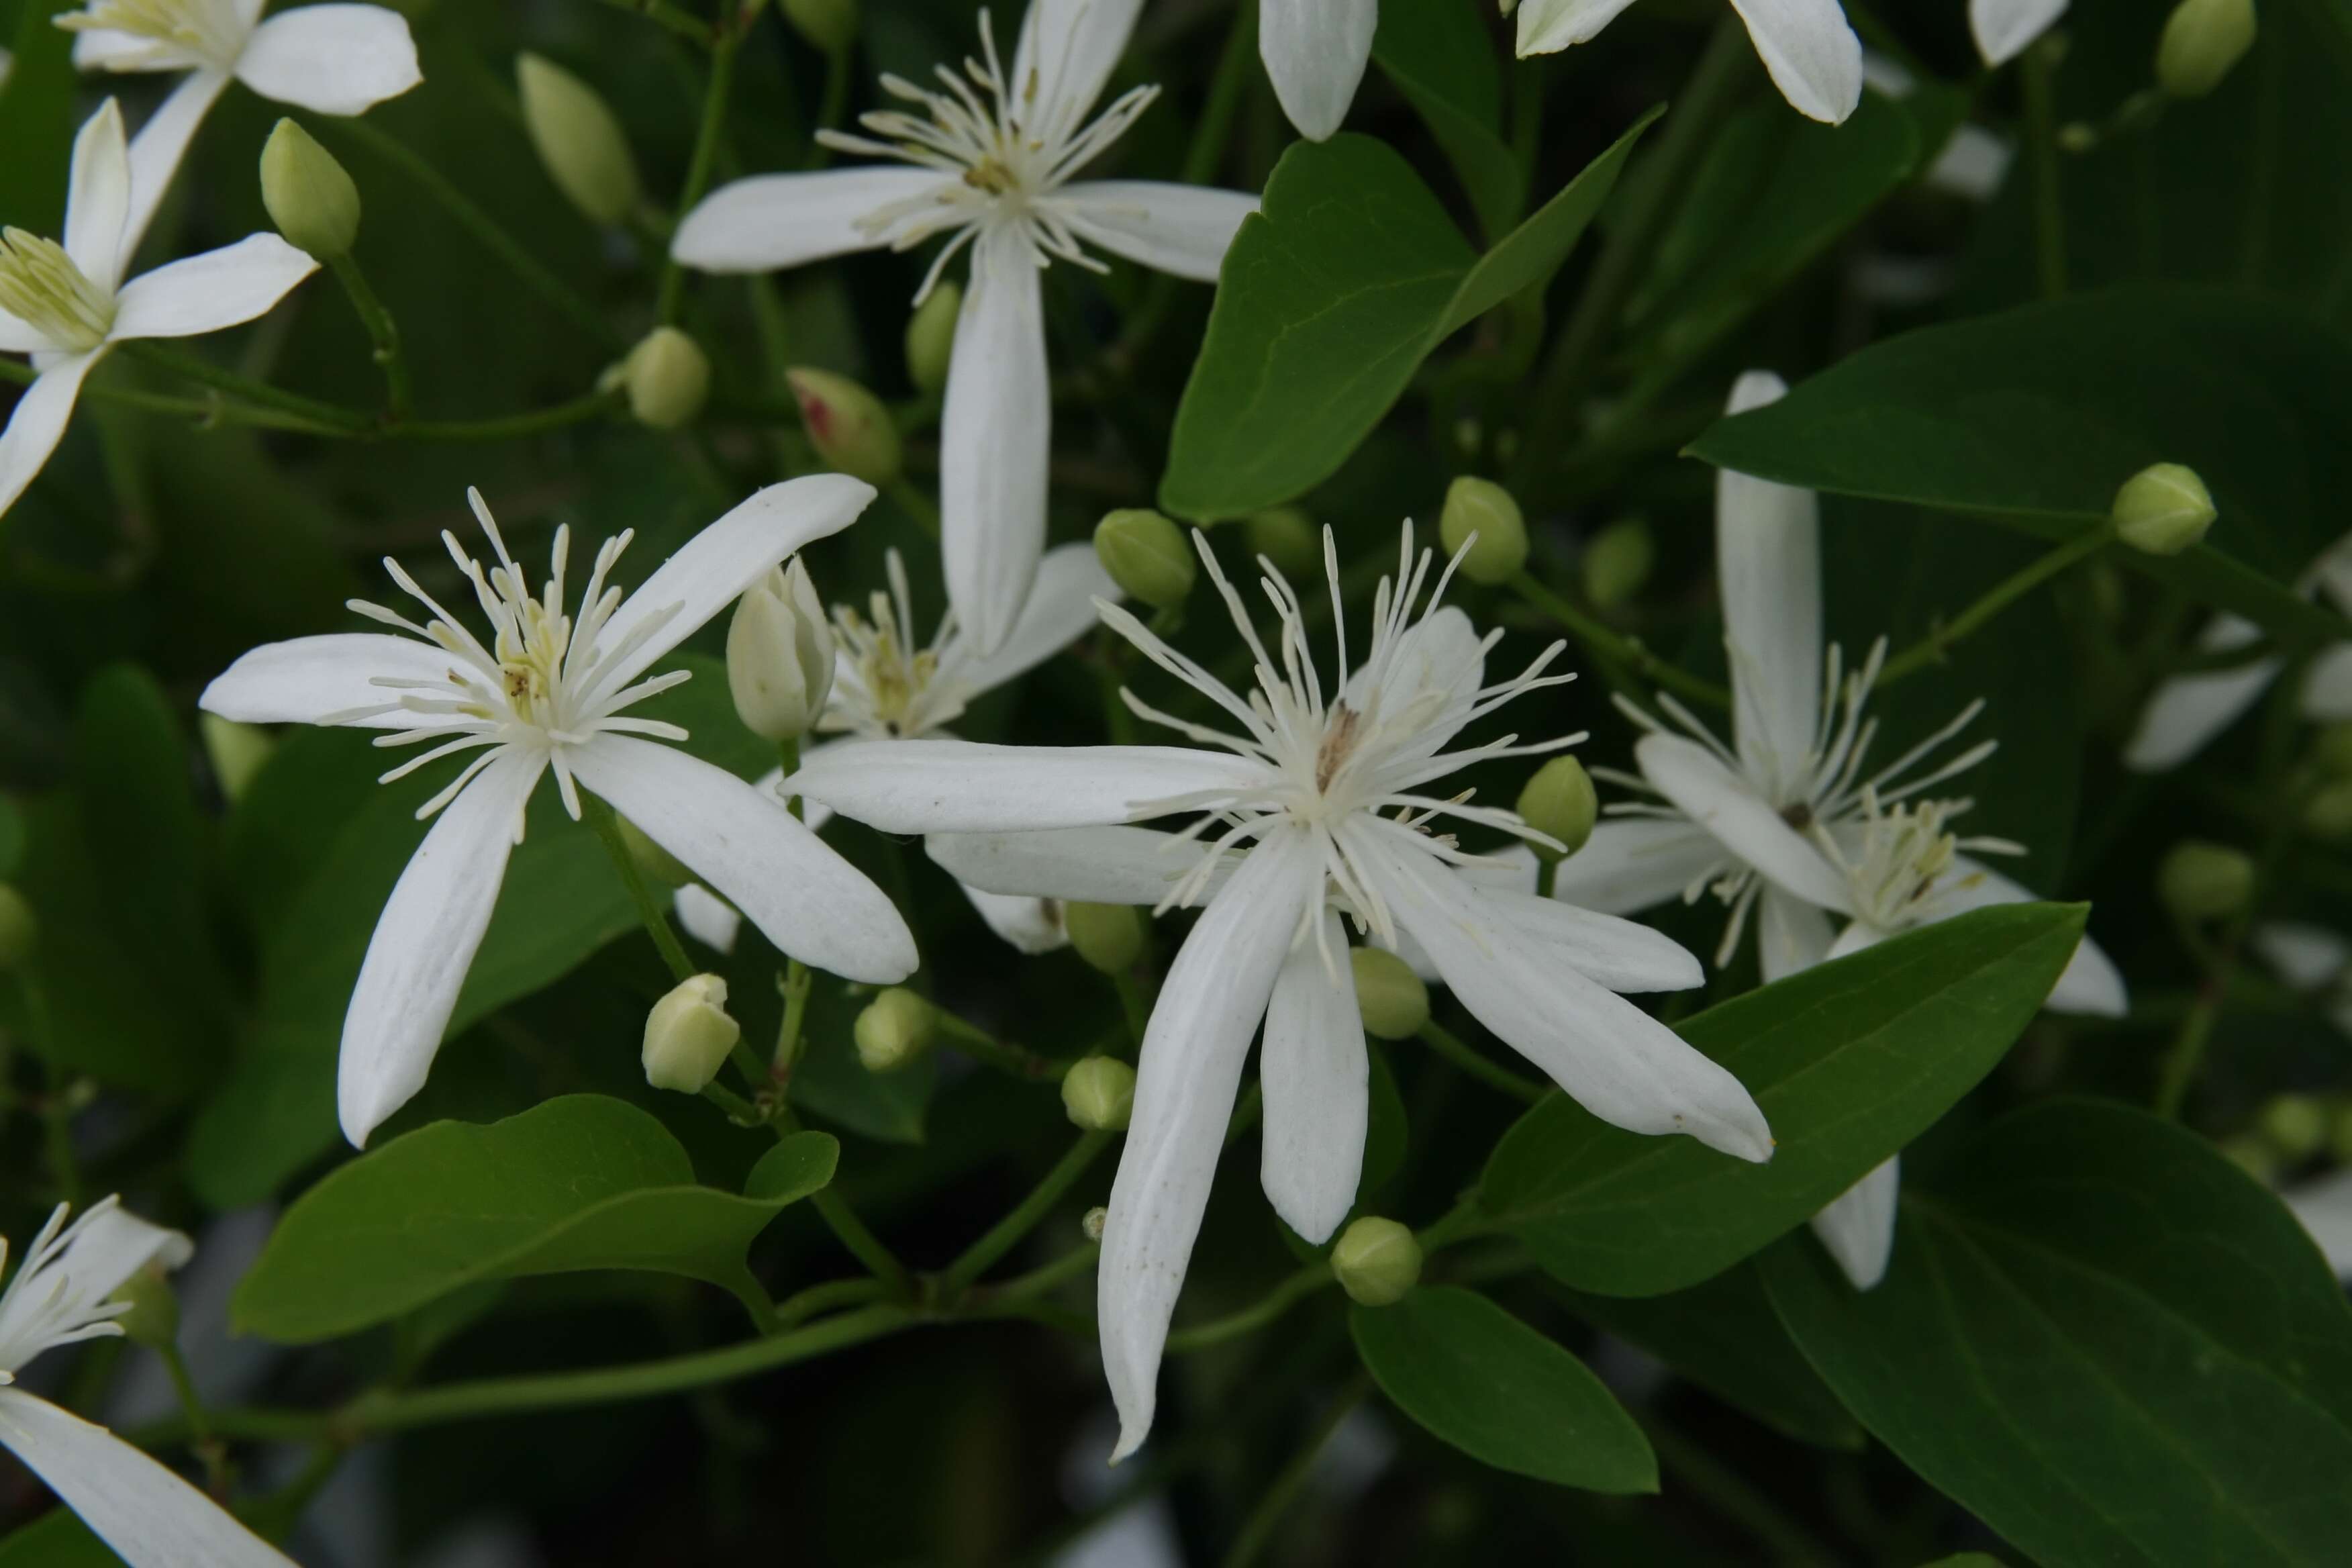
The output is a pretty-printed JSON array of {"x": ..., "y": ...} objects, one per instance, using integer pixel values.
[
  {"x": 37, "y": 112},
  {"x": 1440, "y": 59},
  {"x": 580, "y": 1181},
  {"x": 1849, "y": 1061},
  {"x": 1386, "y": 1132},
  {"x": 2104, "y": 1339},
  {"x": 58, "y": 1539},
  {"x": 2035, "y": 417},
  {"x": 1480, "y": 1379},
  {"x": 1330, "y": 298}
]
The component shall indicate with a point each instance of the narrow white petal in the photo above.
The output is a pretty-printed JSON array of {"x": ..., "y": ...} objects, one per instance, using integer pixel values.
[
  {"x": 995, "y": 434},
  {"x": 814, "y": 813},
  {"x": 307, "y": 678},
  {"x": 2305, "y": 956},
  {"x": 2004, "y": 27},
  {"x": 706, "y": 916},
  {"x": 2190, "y": 710},
  {"x": 424, "y": 942},
  {"x": 97, "y": 197},
  {"x": 37, "y": 423},
  {"x": 1180, "y": 230},
  {"x": 205, "y": 294},
  {"x": 330, "y": 59},
  {"x": 1972, "y": 165},
  {"x": 1813, "y": 54},
  {"x": 1059, "y": 611},
  {"x": 1718, "y": 800},
  {"x": 1546, "y": 26},
  {"x": 1858, "y": 1225},
  {"x": 2325, "y": 1208},
  {"x": 1315, "y": 53},
  {"x": 1439, "y": 656},
  {"x": 1188, "y": 1071},
  {"x": 804, "y": 897},
  {"x": 1071, "y": 46},
  {"x": 162, "y": 140},
  {"x": 1767, "y": 548},
  {"x": 19, "y": 337},
  {"x": 1605, "y": 949},
  {"x": 150, "y": 1516},
  {"x": 1079, "y": 864},
  {"x": 773, "y": 221},
  {"x": 2090, "y": 982},
  {"x": 1031, "y": 925},
  {"x": 107, "y": 1245},
  {"x": 2327, "y": 686},
  {"x": 1792, "y": 935},
  {"x": 1632, "y": 863},
  {"x": 1317, "y": 1087},
  {"x": 961, "y": 787},
  {"x": 1858, "y": 935}
]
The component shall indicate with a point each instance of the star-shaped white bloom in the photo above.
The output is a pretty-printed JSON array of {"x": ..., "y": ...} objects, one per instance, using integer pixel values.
[
  {"x": 337, "y": 59},
  {"x": 1785, "y": 823},
  {"x": 2002, "y": 28},
  {"x": 993, "y": 157},
  {"x": 58, "y": 1296},
  {"x": 1315, "y": 52},
  {"x": 1813, "y": 54},
  {"x": 548, "y": 692},
  {"x": 1316, "y": 803},
  {"x": 66, "y": 305}
]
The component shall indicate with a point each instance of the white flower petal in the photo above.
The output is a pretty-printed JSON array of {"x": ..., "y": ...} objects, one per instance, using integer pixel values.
[
  {"x": 162, "y": 140},
  {"x": 330, "y": 59},
  {"x": 1315, "y": 53},
  {"x": 1792, "y": 935},
  {"x": 1633, "y": 862},
  {"x": 804, "y": 897},
  {"x": 18, "y": 337},
  {"x": 38, "y": 421},
  {"x": 103, "y": 1248},
  {"x": 1972, "y": 165},
  {"x": 2190, "y": 710},
  {"x": 1317, "y": 1085},
  {"x": 2305, "y": 956},
  {"x": 2004, "y": 27},
  {"x": 995, "y": 434},
  {"x": 1079, "y": 865},
  {"x": 1856, "y": 936},
  {"x": 1605, "y": 949},
  {"x": 1546, "y": 26},
  {"x": 1719, "y": 801},
  {"x": 814, "y": 813},
  {"x": 1031, "y": 925},
  {"x": 2324, "y": 1208},
  {"x": 960, "y": 786},
  {"x": 1813, "y": 54},
  {"x": 2090, "y": 982},
  {"x": 1767, "y": 548},
  {"x": 1439, "y": 656},
  {"x": 150, "y": 1516},
  {"x": 706, "y": 916},
  {"x": 1180, "y": 229},
  {"x": 773, "y": 221},
  {"x": 1060, "y": 610},
  {"x": 1858, "y": 1225},
  {"x": 2327, "y": 686},
  {"x": 97, "y": 197},
  {"x": 306, "y": 679},
  {"x": 205, "y": 294},
  {"x": 1188, "y": 1071},
  {"x": 1071, "y": 46},
  {"x": 424, "y": 942}
]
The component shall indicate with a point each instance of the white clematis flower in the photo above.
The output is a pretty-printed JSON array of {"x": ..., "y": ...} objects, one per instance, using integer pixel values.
[
  {"x": 1315, "y": 53},
  {"x": 337, "y": 59},
  {"x": 993, "y": 157},
  {"x": 547, "y": 692},
  {"x": 59, "y": 1296},
  {"x": 1784, "y": 824},
  {"x": 1813, "y": 54},
  {"x": 2003, "y": 28},
  {"x": 1290, "y": 810},
  {"x": 66, "y": 305}
]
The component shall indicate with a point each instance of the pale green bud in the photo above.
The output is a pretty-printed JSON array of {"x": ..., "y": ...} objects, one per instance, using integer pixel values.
[
  {"x": 779, "y": 655},
  {"x": 2163, "y": 510},
  {"x": 236, "y": 751},
  {"x": 2295, "y": 1125},
  {"x": 2202, "y": 40},
  {"x": 18, "y": 929},
  {"x": 653, "y": 863},
  {"x": 154, "y": 1320},
  {"x": 2328, "y": 812},
  {"x": 894, "y": 1028},
  {"x": 310, "y": 199},
  {"x": 1617, "y": 562},
  {"x": 1108, "y": 936},
  {"x": 688, "y": 1034},
  {"x": 667, "y": 378},
  {"x": 930, "y": 337},
  {"x": 578, "y": 139},
  {"x": 2199, "y": 880},
  {"x": 1147, "y": 555},
  {"x": 1376, "y": 1261},
  {"x": 830, "y": 25},
  {"x": 1485, "y": 510},
  {"x": 1091, "y": 1224},
  {"x": 1287, "y": 537},
  {"x": 1100, "y": 1094},
  {"x": 847, "y": 425},
  {"x": 1390, "y": 997},
  {"x": 1560, "y": 800}
]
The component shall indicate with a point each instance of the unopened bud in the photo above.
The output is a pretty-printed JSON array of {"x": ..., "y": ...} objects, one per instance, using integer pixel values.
[
  {"x": 1376, "y": 1261},
  {"x": 2295, "y": 1125},
  {"x": 2163, "y": 510},
  {"x": 579, "y": 140},
  {"x": 18, "y": 929},
  {"x": 667, "y": 378},
  {"x": 2202, "y": 40},
  {"x": 1287, "y": 537},
  {"x": 847, "y": 425},
  {"x": 1560, "y": 800},
  {"x": 236, "y": 751},
  {"x": 930, "y": 337},
  {"x": 1147, "y": 555},
  {"x": 896, "y": 1028},
  {"x": 688, "y": 1034},
  {"x": 154, "y": 1320},
  {"x": 2199, "y": 880},
  {"x": 1100, "y": 1094},
  {"x": 310, "y": 197},
  {"x": 2328, "y": 812},
  {"x": 1093, "y": 1222},
  {"x": 779, "y": 655},
  {"x": 1617, "y": 562},
  {"x": 653, "y": 863},
  {"x": 1108, "y": 936},
  {"x": 830, "y": 25},
  {"x": 1390, "y": 997},
  {"x": 1483, "y": 514}
]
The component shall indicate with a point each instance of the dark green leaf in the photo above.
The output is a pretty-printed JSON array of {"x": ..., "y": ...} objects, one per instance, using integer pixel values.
[
  {"x": 36, "y": 111},
  {"x": 1388, "y": 1131},
  {"x": 56, "y": 1539},
  {"x": 1440, "y": 56}
]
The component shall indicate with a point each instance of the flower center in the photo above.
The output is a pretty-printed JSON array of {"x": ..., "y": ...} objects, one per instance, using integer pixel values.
[
  {"x": 894, "y": 690},
  {"x": 531, "y": 649},
  {"x": 40, "y": 286},
  {"x": 1904, "y": 850},
  {"x": 206, "y": 31}
]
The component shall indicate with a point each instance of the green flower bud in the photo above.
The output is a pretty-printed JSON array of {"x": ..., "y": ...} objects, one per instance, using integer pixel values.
[
  {"x": 1376, "y": 1261},
  {"x": 2295, "y": 1125},
  {"x": 894, "y": 1028},
  {"x": 2202, "y": 40},
  {"x": 2163, "y": 510},
  {"x": 2254, "y": 1156},
  {"x": 1287, "y": 537},
  {"x": 2327, "y": 812},
  {"x": 578, "y": 139},
  {"x": 779, "y": 655},
  {"x": 154, "y": 1320},
  {"x": 236, "y": 751},
  {"x": 667, "y": 378},
  {"x": 1108, "y": 936},
  {"x": 18, "y": 929},
  {"x": 930, "y": 337},
  {"x": 830, "y": 25},
  {"x": 1482, "y": 508},
  {"x": 1617, "y": 562},
  {"x": 1147, "y": 555},
  {"x": 1559, "y": 799},
  {"x": 310, "y": 199},
  {"x": 1391, "y": 998},
  {"x": 1100, "y": 1094},
  {"x": 653, "y": 863},
  {"x": 2333, "y": 750},
  {"x": 1091, "y": 1224},
  {"x": 688, "y": 1034},
  {"x": 2200, "y": 882},
  {"x": 847, "y": 425}
]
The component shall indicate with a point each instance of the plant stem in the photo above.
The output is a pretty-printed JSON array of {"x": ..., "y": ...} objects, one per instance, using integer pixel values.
[
  {"x": 1606, "y": 645},
  {"x": 351, "y": 421},
  {"x": 1930, "y": 650},
  {"x": 848, "y": 1229},
  {"x": 802, "y": 1305},
  {"x": 1309, "y": 1279},
  {"x": 1019, "y": 1061},
  {"x": 690, "y": 27},
  {"x": 207, "y": 410},
  {"x": 607, "y": 824},
  {"x": 381, "y": 331},
  {"x": 2038, "y": 76},
  {"x": 507, "y": 426},
  {"x": 1494, "y": 1075},
  {"x": 1280, "y": 1493},
  {"x": 1042, "y": 1280},
  {"x": 834, "y": 104},
  {"x": 200, "y": 1427},
  {"x": 727, "y": 39},
  {"x": 736, "y": 1108},
  {"x": 1006, "y": 1233}
]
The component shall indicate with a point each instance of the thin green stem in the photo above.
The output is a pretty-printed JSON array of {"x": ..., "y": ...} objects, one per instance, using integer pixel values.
[
  {"x": 915, "y": 504},
  {"x": 607, "y": 824},
  {"x": 1689, "y": 1466},
  {"x": 1019, "y": 1061},
  {"x": 684, "y": 25},
  {"x": 1309, "y": 1279},
  {"x": 381, "y": 331},
  {"x": 1931, "y": 648},
  {"x": 1546, "y": 876},
  {"x": 351, "y": 421},
  {"x": 1494, "y": 1075},
  {"x": 204, "y": 411},
  {"x": 1043, "y": 1280},
  {"x": 736, "y": 1108},
  {"x": 834, "y": 104},
  {"x": 2038, "y": 74},
  {"x": 796, "y": 985},
  {"x": 508, "y": 427},
  {"x": 1258, "y": 1530},
  {"x": 1606, "y": 645},
  {"x": 848, "y": 1229},
  {"x": 725, "y": 42},
  {"x": 802, "y": 1305},
  {"x": 1006, "y": 1233}
]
